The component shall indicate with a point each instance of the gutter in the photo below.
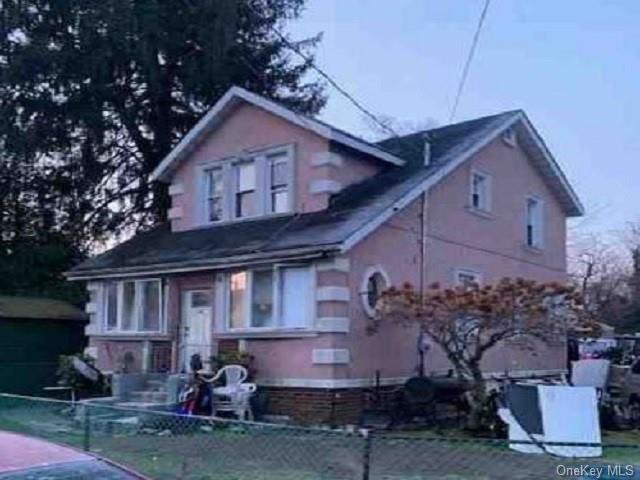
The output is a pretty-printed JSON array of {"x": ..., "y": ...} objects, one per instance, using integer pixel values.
[{"x": 306, "y": 253}]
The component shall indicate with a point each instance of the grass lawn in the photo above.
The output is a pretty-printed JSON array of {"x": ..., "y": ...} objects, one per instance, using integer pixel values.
[{"x": 179, "y": 448}]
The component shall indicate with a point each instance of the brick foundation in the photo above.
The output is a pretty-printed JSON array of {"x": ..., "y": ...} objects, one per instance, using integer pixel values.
[{"x": 318, "y": 406}]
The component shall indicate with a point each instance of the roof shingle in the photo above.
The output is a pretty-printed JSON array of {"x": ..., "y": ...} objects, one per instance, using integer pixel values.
[{"x": 349, "y": 210}]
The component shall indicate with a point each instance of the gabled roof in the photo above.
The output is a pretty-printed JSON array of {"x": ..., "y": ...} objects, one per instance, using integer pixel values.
[
  {"x": 234, "y": 97},
  {"x": 352, "y": 214},
  {"x": 38, "y": 308}
]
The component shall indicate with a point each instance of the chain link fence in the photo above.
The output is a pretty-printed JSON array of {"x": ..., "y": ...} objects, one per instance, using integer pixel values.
[{"x": 164, "y": 445}]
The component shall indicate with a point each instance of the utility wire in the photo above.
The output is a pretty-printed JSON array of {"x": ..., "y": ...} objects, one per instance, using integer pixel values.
[
  {"x": 465, "y": 70},
  {"x": 328, "y": 78}
]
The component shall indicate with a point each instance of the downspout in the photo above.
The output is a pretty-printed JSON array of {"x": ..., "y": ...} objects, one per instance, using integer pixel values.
[
  {"x": 421, "y": 281},
  {"x": 423, "y": 246},
  {"x": 423, "y": 249}
]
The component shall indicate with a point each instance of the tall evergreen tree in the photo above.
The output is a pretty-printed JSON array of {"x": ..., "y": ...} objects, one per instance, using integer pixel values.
[{"x": 94, "y": 93}]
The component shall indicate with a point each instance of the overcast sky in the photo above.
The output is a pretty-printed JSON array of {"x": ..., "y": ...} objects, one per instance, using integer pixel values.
[{"x": 573, "y": 66}]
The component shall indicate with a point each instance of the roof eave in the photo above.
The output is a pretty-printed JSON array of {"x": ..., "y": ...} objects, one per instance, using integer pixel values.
[
  {"x": 293, "y": 254},
  {"x": 573, "y": 206},
  {"x": 207, "y": 122}
]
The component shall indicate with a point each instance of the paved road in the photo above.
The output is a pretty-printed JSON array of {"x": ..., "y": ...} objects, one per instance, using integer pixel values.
[{"x": 27, "y": 458}]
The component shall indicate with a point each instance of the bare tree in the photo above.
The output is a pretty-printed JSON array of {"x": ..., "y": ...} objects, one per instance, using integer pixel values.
[
  {"x": 468, "y": 321},
  {"x": 601, "y": 272},
  {"x": 388, "y": 126}
]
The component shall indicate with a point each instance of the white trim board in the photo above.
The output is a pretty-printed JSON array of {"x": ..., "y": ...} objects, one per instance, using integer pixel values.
[
  {"x": 333, "y": 324},
  {"x": 432, "y": 180},
  {"x": 330, "y": 356},
  {"x": 336, "y": 383},
  {"x": 332, "y": 294},
  {"x": 233, "y": 97},
  {"x": 325, "y": 186},
  {"x": 308, "y": 253}
]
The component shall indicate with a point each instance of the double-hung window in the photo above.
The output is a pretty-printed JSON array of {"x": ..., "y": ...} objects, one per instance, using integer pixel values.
[
  {"x": 269, "y": 299},
  {"x": 255, "y": 184},
  {"x": 534, "y": 232},
  {"x": 480, "y": 194},
  {"x": 278, "y": 165},
  {"x": 245, "y": 195},
  {"x": 133, "y": 306},
  {"x": 215, "y": 198}
]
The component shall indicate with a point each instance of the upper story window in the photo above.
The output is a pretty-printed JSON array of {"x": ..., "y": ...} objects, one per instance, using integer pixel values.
[
  {"x": 278, "y": 183},
  {"x": 215, "y": 197},
  {"x": 133, "y": 306},
  {"x": 480, "y": 191},
  {"x": 534, "y": 222},
  {"x": 258, "y": 184},
  {"x": 245, "y": 195},
  {"x": 268, "y": 299}
]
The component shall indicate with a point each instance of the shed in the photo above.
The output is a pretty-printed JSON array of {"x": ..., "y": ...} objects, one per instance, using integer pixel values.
[{"x": 34, "y": 332}]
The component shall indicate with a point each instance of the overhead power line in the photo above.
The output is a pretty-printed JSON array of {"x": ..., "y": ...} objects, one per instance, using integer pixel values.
[
  {"x": 328, "y": 78},
  {"x": 465, "y": 70}
]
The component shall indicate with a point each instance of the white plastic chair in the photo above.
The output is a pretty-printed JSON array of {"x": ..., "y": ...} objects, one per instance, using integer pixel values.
[
  {"x": 233, "y": 375},
  {"x": 234, "y": 396}
]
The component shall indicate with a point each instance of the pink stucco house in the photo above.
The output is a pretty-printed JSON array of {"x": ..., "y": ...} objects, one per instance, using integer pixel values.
[{"x": 283, "y": 228}]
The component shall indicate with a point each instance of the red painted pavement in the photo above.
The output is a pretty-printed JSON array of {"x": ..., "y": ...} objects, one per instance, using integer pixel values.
[{"x": 18, "y": 452}]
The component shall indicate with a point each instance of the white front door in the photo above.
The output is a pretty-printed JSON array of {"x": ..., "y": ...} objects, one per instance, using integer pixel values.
[{"x": 197, "y": 320}]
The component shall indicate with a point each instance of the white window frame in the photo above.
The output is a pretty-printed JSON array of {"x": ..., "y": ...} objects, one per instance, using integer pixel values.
[
  {"x": 487, "y": 207},
  {"x": 466, "y": 325},
  {"x": 229, "y": 180},
  {"x": 207, "y": 192},
  {"x": 364, "y": 293},
  {"x": 268, "y": 179},
  {"x": 466, "y": 271},
  {"x": 537, "y": 238},
  {"x": 138, "y": 307},
  {"x": 235, "y": 168},
  {"x": 225, "y": 313}
]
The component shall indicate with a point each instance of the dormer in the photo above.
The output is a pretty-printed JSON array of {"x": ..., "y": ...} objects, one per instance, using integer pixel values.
[{"x": 250, "y": 158}]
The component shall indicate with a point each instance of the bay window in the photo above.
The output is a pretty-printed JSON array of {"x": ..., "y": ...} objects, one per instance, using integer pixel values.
[
  {"x": 133, "y": 306},
  {"x": 269, "y": 299}
]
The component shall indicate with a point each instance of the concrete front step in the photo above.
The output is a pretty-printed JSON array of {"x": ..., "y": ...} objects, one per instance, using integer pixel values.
[
  {"x": 147, "y": 396},
  {"x": 137, "y": 405},
  {"x": 157, "y": 385}
]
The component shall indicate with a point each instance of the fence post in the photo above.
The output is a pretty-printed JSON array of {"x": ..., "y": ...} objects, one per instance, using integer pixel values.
[
  {"x": 366, "y": 453},
  {"x": 86, "y": 437}
]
